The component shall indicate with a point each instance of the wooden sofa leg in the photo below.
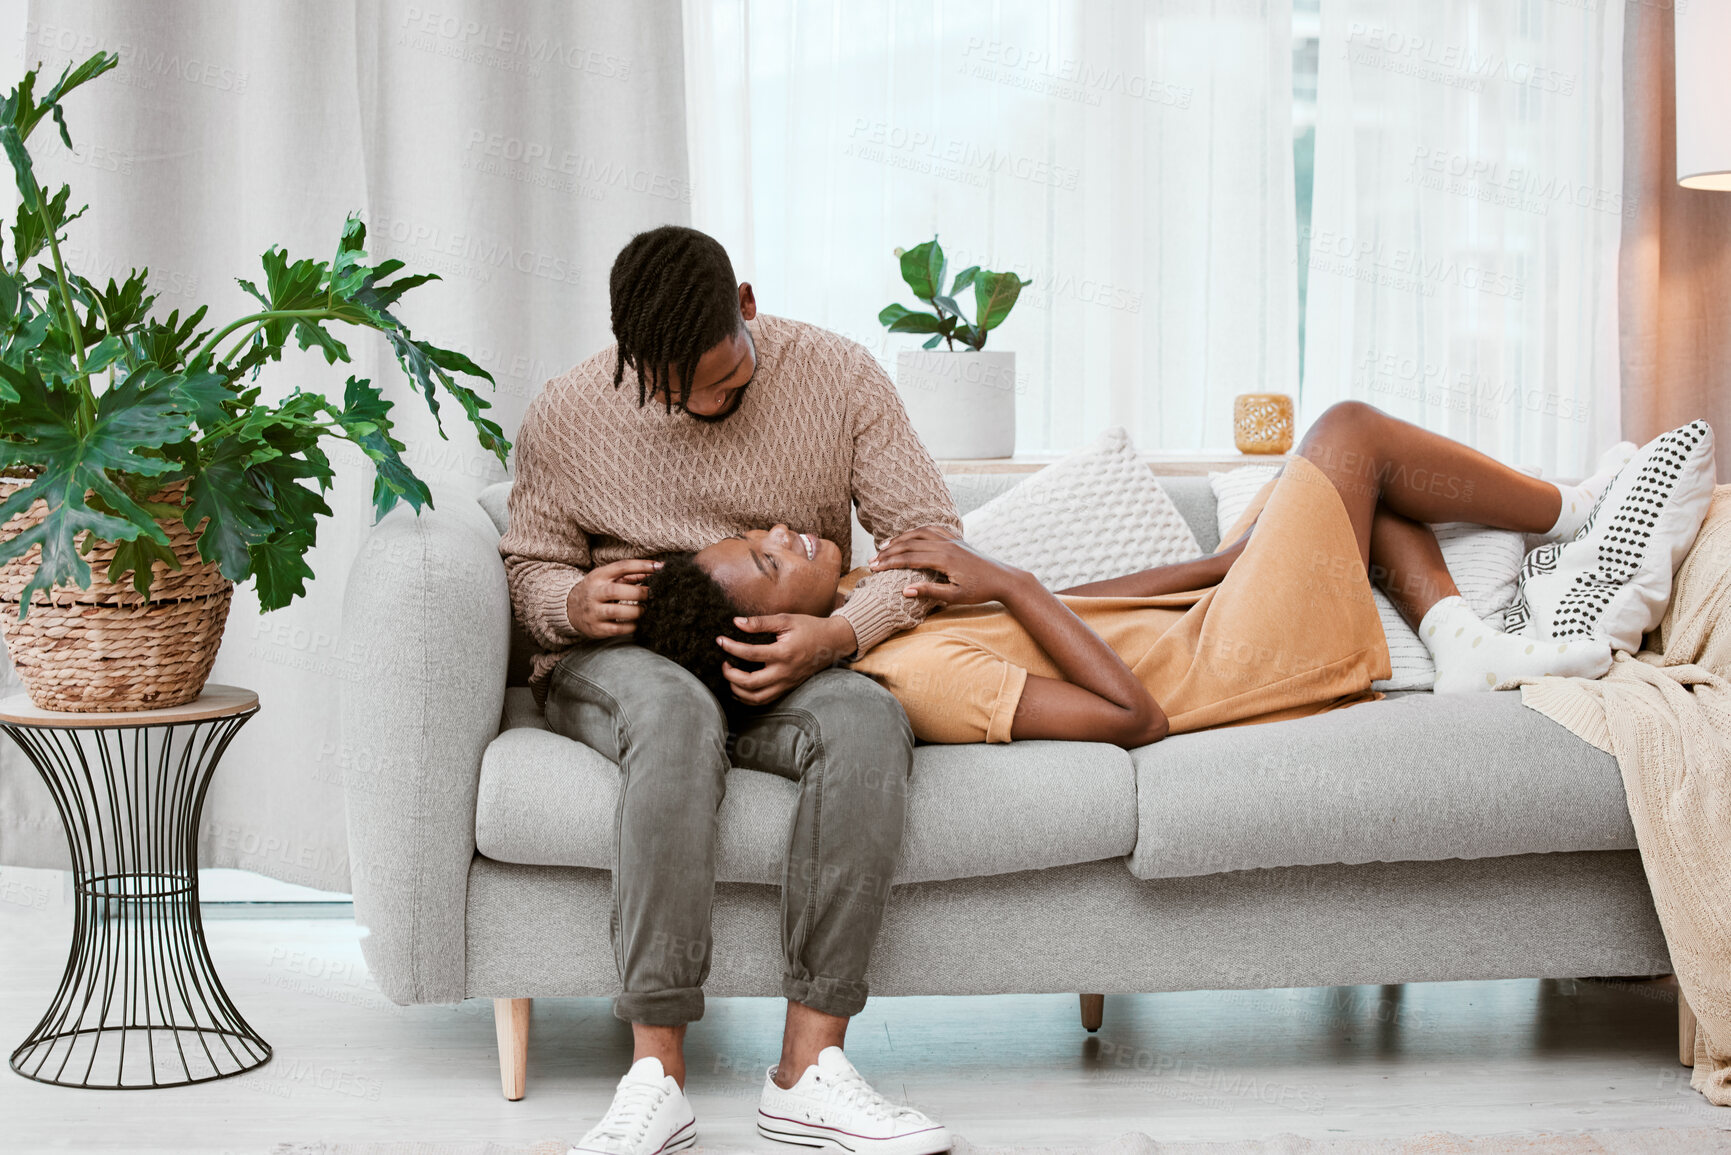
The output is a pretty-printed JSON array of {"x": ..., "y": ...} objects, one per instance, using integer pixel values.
[
  {"x": 511, "y": 1024},
  {"x": 1094, "y": 1009},
  {"x": 1685, "y": 1031}
]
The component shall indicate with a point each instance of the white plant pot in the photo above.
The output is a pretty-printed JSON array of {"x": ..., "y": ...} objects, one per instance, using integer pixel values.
[{"x": 962, "y": 404}]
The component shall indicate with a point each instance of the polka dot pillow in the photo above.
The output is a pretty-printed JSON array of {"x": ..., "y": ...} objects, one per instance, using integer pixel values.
[{"x": 1613, "y": 580}]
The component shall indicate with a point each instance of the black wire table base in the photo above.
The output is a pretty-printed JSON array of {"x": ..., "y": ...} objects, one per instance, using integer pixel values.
[{"x": 139, "y": 1004}]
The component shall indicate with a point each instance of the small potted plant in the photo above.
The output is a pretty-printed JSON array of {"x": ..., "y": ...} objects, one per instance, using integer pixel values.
[
  {"x": 962, "y": 402},
  {"x": 141, "y": 448}
]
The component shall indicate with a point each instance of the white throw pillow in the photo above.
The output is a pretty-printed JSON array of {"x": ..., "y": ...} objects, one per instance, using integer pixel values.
[
  {"x": 1233, "y": 492},
  {"x": 1613, "y": 580},
  {"x": 1096, "y": 514},
  {"x": 1484, "y": 563}
]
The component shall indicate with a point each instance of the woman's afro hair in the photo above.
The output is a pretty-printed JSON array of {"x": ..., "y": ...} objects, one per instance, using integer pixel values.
[{"x": 685, "y": 612}]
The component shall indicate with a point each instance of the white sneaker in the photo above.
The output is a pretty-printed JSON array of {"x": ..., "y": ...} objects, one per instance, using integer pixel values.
[
  {"x": 833, "y": 1106},
  {"x": 649, "y": 1115}
]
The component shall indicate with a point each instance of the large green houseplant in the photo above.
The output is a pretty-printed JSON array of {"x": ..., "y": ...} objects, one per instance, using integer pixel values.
[
  {"x": 962, "y": 402},
  {"x": 143, "y": 444}
]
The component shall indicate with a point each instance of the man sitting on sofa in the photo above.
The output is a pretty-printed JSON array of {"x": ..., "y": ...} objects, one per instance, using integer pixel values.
[{"x": 607, "y": 476}]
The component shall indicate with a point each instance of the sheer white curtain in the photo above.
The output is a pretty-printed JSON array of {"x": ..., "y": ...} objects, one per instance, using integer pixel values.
[
  {"x": 1133, "y": 160},
  {"x": 1468, "y": 206},
  {"x": 511, "y": 148}
]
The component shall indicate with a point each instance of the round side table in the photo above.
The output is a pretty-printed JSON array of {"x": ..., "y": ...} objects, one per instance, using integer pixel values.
[{"x": 139, "y": 1004}]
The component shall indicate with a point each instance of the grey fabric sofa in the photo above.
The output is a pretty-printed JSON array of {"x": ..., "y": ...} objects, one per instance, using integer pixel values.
[{"x": 1418, "y": 838}]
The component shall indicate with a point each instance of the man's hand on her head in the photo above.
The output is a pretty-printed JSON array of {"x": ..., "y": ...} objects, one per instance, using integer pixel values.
[
  {"x": 608, "y": 601},
  {"x": 803, "y": 645}
]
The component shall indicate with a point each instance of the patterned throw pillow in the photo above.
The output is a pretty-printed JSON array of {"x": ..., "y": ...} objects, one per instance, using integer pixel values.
[
  {"x": 1096, "y": 514},
  {"x": 1613, "y": 580},
  {"x": 1484, "y": 563}
]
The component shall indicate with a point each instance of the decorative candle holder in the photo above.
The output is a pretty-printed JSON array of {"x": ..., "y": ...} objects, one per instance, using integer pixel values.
[{"x": 1262, "y": 422}]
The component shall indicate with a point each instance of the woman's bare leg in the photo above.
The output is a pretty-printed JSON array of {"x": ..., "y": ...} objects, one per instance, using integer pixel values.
[
  {"x": 1373, "y": 458},
  {"x": 1394, "y": 477},
  {"x": 1406, "y": 563}
]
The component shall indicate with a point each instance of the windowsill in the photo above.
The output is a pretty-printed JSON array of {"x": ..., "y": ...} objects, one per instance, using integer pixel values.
[{"x": 1192, "y": 464}]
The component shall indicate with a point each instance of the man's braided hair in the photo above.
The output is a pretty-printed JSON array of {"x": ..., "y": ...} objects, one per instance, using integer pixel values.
[
  {"x": 674, "y": 298},
  {"x": 685, "y": 612}
]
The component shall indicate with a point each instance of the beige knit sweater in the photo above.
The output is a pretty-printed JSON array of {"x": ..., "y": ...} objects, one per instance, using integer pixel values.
[
  {"x": 1666, "y": 715},
  {"x": 599, "y": 479}
]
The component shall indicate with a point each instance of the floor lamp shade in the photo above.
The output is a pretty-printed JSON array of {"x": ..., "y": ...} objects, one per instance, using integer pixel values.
[{"x": 1704, "y": 94}]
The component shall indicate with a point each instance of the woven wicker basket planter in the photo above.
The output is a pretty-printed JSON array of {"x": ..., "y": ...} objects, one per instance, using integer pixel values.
[{"x": 107, "y": 648}]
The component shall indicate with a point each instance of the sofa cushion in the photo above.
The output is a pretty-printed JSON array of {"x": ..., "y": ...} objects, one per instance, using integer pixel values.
[
  {"x": 973, "y": 811},
  {"x": 1414, "y": 777},
  {"x": 496, "y": 500}
]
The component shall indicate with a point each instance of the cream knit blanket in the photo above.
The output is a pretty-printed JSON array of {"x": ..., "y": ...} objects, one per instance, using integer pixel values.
[{"x": 1666, "y": 715}]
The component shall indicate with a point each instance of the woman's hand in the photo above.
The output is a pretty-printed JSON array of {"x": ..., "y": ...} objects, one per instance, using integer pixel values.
[
  {"x": 1098, "y": 698},
  {"x": 970, "y": 576}
]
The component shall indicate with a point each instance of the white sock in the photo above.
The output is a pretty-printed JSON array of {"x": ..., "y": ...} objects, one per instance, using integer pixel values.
[
  {"x": 1471, "y": 655},
  {"x": 1579, "y": 499}
]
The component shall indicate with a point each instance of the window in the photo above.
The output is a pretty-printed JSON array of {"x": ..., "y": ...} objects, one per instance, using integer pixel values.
[{"x": 1133, "y": 161}]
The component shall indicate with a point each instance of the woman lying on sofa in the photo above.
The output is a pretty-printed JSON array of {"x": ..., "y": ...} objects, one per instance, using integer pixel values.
[{"x": 1278, "y": 624}]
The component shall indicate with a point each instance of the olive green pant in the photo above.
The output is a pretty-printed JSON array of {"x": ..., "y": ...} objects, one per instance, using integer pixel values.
[{"x": 840, "y": 735}]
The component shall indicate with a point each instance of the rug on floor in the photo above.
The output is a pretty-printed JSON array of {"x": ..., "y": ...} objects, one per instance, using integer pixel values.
[{"x": 1645, "y": 1141}]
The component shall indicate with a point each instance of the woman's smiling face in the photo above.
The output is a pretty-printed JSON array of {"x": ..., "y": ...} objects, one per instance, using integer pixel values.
[{"x": 776, "y": 571}]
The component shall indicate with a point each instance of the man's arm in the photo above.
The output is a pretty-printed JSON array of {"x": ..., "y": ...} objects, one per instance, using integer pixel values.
[
  {"x": 897, "y": 487},
  {"x": 556, "y": 592},
  {"x": 545, "y": 554}
]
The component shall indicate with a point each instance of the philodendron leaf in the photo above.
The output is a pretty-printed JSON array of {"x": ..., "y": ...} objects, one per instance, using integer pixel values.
[
  {"x": 235, "y": 514},
  {"x": 278, "y": 563},
  {"x": 137, "y": 415},
  {"x": 8, "y": 295},
  {"x": 205, "y": 395},
  {"x": 365, "y": 286},
  {"x": 138, "y": 558},
  {"x": 23, "y": 171},
  {"x": 365, "y": 417},
  {"x": 123, "y": 307},
  {"x": 279, "y": 568},
  {"x": 103, "y": 354},
  {"x": 167, "y": 344},
  {"x": 292, "y": 286},
  {"x": 359, "y": 294},
  {"x": 426, "y": 363},
  {"x": 22, "y": 111},
  {"x": 923, "y": 269},
  {"x": 295, "y": 506},
  {"x": 994, "y": 296},
  {"x": 30, "y": 231}
]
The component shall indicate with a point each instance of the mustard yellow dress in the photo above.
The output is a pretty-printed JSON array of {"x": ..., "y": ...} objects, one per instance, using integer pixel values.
[{"x": 1293, "y": 630}]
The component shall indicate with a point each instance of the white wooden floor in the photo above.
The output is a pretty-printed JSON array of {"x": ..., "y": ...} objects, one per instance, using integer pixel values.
[{"x": 1473, "y": 1058}]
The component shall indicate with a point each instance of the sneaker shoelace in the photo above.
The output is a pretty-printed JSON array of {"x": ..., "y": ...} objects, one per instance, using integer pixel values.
[
  {"x": 628, "y": 1118},
  {"x": 854, "y": 1091}
]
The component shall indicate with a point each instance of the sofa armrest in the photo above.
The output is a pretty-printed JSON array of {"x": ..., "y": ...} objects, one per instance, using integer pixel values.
[{"x": 428, "y": 614}]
